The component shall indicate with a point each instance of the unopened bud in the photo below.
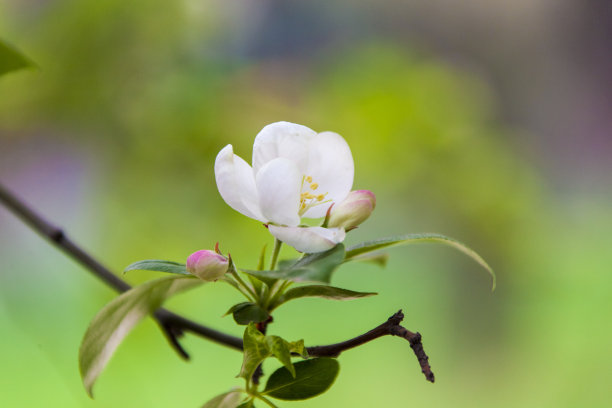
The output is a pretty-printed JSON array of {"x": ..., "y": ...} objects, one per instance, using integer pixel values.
[
  {"x": 207, "y": 265},
  {"x": 355, "y": 209}
]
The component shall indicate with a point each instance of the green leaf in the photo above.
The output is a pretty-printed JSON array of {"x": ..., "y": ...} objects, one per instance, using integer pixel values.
[
  {"x": 255, "y": 351},
  {"x": 324, "y": 291},
  {"x": 353, "y": 252},
  {"x": 313, "y": 377},
  {"x": 377, "y": 258},
  {"x": 237, "y": 306},
  {"x": 258, "y": 347},
  {"x": 229, "y": 399},
  {"x": 316, "y": 267},
  {"x": 158, "y": 265},
  {"x": 248, "y": 312},
  {"x": 280, "y": 349},
  {"x": 110, "y": 326},
  {"x": 11, "y": 59}
]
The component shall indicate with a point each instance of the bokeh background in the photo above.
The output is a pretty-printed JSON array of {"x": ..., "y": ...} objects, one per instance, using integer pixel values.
[{"x": 486, "y": 121}]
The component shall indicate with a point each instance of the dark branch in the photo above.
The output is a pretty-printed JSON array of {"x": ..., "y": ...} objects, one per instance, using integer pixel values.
[
  {"x": 170, "y": 323},
  {"x": 390, "y": 327},
  {"x": 174, "y": 325}
]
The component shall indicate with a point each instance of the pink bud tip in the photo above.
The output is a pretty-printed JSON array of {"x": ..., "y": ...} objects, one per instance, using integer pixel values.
[{"x": 207, "y": 265}]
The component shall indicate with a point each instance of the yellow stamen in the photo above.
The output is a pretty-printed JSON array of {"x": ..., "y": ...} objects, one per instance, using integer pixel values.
[
  {"x": 320, "y": 197},
  {"x": 314, "y": 186},
  {"x": 309, "y": 179}
]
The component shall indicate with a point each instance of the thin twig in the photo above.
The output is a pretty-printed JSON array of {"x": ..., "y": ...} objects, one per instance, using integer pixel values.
[{"x": 390, "y": 327}]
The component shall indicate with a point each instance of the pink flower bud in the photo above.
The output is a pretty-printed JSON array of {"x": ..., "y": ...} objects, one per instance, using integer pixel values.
[
  {"x": 207, "y": 265},
  {"x": 355, "y": 209}
]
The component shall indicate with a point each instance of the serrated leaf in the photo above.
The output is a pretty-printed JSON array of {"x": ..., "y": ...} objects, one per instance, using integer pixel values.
[
  {"x": 255, "y": 351},
  {"x": 324, "y": 291},
  {"x": 316, "y": 267},
  {"x": 249, "y": 312},
  {"x": 354, "y": 251},
  {"x": 229, "y": 399},
  {"x": 313, "y": 377},
  {"x": 257, "y": 347},
  {"x": 110, "y": 326},
  {"x": 158, "y": 265},
  {"x": 279, "y": 348},
  {"x": 11, "y": 59}
]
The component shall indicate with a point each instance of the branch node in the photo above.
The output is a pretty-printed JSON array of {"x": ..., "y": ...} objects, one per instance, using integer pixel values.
[{"x": 56, "y": 235}]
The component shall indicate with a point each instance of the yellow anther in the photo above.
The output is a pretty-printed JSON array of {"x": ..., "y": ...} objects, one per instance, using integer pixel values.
[
  {"x": 320, "y": 197},
  {"x": 314, "y": 186},
  {"x": 309, "y": 179}
]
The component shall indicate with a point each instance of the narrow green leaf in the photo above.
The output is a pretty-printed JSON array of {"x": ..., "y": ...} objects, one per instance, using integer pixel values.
[
  {"x": 324, "y": 291},
  {"x": 316, "y": 267},
  {"x": 262, "y": 259},
  {"x": 250, "y": 312},
  {"x": 247, "y": 404},
  {"x": 229, "y": 399},
  {"x": 158, "y": 265},
  {"x": 11, "y": 59},
  {"x": 354, "y": 251},
  {"x": 377, "y": 258},
  {"x": 313, "y": 377},
  {"x": 110, "y": 326}
]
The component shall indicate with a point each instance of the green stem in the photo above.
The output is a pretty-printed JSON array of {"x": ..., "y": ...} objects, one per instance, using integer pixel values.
[
  {"x": 267, "y": 401},
  {"x": 277, "y": 246},
  {"x": 278, "y": 293},
  {"x": 250, "y": 293}
]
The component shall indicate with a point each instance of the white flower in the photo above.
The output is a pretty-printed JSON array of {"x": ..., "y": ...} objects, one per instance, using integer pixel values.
[{"x": 296, "y": 173}]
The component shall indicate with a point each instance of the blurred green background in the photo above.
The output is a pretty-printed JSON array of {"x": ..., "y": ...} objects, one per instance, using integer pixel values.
[{"x": 485, "y": 121}]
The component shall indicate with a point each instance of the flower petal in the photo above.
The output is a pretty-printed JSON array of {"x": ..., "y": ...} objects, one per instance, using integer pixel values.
[
  {"x": 278, "y": 183},
  {"x": 236, "y": 183},
  {"x": 309, "y": 239},
  {"x": 330, "y": 164},
  {"x": 282, "y": 139}
]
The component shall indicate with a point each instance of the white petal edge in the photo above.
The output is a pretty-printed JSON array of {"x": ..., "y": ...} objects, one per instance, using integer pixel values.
[
  {"x": 278, "y": 185},
  {"x": 309, "y": 239},
  {"x": 236, "y": 183},
  {"x": 331, "y": 166},
  {"x": 282, "y": 139}
]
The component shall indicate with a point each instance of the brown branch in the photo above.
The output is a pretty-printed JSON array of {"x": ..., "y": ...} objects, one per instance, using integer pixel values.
[
  {"x": 173, "y": 325},
  {"x": 390, "y": 327}
]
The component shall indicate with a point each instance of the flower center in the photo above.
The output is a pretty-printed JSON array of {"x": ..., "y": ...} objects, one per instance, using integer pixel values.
[{"x": 309, "y": 198}]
